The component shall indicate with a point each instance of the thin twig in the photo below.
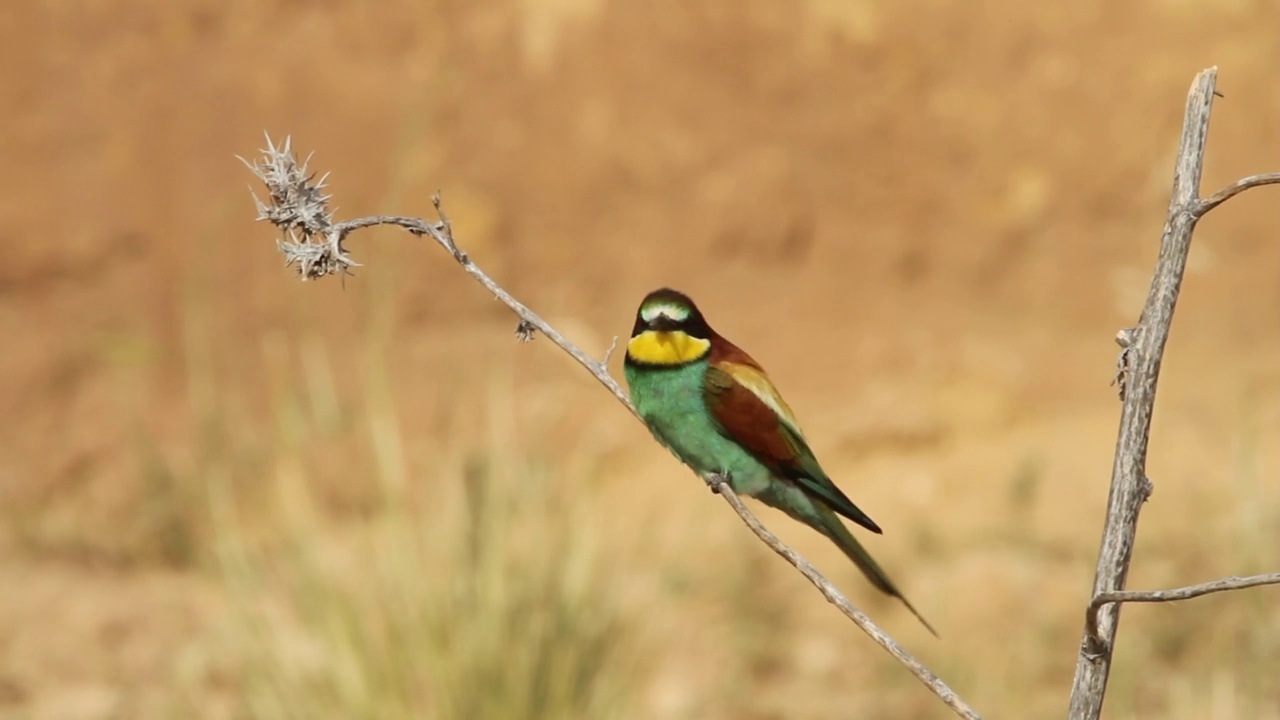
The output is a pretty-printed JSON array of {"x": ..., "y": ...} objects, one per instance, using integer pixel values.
[
  {"x": 1138, "y": 371},
  {"x": 1235, "y": 189},
  {"x": 319, "y": 242},
  {"x": 609, "y": 353},
  {"x": 1174, "y": 594}
]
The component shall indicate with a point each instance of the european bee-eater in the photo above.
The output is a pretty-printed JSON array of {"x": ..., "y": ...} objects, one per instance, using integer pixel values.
[{"x": 713, "y": 406}]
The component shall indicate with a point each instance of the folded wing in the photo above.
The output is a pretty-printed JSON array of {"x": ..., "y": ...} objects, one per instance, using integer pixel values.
[{"x": 750, "y": 412}]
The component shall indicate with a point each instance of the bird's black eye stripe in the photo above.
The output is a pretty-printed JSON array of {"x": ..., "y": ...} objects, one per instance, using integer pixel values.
[{"x": 697, "y": 327}]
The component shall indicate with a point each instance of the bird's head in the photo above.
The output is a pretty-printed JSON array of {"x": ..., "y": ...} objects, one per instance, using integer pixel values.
[{"x": 669, "y": 331}]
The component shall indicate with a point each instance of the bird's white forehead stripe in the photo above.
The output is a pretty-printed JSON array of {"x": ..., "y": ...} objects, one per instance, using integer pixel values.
[{"x": 671, "y": 310}]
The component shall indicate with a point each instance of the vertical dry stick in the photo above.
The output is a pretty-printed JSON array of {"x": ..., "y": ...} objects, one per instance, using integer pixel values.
[{"x": 1143, "y": 348}]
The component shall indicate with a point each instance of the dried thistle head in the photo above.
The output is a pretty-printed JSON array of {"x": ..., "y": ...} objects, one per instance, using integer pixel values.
[{"x": 297, "y": 204}]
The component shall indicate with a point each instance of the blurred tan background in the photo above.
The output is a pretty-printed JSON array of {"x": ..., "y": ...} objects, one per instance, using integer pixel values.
[{"x": 228, "y": 494}]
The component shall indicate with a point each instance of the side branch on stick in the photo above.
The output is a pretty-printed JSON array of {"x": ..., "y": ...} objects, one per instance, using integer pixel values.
[
  {"x": 1173, "y": 594},
  {"x": 1235, "y": 189}
]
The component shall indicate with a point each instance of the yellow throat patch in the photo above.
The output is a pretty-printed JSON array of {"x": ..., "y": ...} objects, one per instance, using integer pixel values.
[{"x": 653, "y": 347}]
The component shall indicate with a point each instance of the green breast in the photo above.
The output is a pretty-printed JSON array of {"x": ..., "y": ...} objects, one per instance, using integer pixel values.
[{"x": 670, "y": 402}]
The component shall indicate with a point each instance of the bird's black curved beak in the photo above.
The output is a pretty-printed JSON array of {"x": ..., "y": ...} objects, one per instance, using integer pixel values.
[{"x": 662, "y": 323}]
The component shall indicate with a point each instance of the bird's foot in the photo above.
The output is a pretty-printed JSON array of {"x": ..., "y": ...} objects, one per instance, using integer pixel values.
[{"x": 715, "y": 480}]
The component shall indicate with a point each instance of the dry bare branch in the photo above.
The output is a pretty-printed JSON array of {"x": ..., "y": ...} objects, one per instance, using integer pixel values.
[
  {"x": 1173, "y": 594},
  {"x": 1137, "y": 373},
  {"x": 1235, "y": 189},
  {"x": 315, "y": 244}
]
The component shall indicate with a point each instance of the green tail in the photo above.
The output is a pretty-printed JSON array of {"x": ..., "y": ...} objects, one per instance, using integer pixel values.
[{"x": 840, "y": 535}]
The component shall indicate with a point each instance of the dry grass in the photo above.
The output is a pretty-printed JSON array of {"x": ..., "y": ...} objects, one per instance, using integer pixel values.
[
  {"x": 472, "y": 592},
  {"x": 465, "y": 576}
]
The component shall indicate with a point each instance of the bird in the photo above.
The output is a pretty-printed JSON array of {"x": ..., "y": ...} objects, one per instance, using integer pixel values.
[{"x": 712, "y": 405}]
